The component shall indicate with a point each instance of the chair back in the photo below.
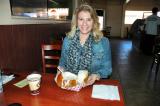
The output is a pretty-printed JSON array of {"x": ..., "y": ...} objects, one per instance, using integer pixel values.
[
  {"x": 50, "y": 55},
  {"x": 107, "y": 31}
]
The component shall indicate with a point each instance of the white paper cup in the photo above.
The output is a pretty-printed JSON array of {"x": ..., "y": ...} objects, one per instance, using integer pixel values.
[
  {"x": 34, "y": 83},
  {"x": 82, "y": 75}
]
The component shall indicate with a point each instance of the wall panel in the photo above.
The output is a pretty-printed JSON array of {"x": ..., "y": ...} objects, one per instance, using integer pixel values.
[{"x": 20, "y": 45}]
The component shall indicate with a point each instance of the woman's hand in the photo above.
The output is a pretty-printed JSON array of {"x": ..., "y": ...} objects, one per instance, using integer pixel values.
[
  {"x": 61, "y": 69},
  {"x": 91, "y": 79}
]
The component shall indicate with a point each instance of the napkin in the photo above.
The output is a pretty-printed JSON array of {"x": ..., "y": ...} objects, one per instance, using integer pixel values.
[
  {"x": 21, "y": 83},
  {"x": 7, "y": 78},
  {"x": 108, "y": 92}
]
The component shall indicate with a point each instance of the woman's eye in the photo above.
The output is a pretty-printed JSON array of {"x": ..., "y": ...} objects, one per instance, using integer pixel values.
[{"x": 80, "y": 18}]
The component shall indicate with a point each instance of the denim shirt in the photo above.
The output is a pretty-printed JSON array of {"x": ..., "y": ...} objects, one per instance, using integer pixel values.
[{"x": 101, "y": 57}]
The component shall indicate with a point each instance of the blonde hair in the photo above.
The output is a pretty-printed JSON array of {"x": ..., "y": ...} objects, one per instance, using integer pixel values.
[{"x": 97, "y": 34}]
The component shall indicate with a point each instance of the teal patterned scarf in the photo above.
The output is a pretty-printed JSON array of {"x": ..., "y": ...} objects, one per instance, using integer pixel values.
[{"x": 79, "y": 57}]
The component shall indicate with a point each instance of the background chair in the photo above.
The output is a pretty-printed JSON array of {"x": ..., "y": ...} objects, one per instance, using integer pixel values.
[
  {"x": 107, "y": 31},
  {"x": 156, "y": 60},
  {"x": 50, "y": 56}
]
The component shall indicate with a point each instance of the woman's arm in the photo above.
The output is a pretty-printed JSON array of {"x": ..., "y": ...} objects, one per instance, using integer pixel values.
[
  {"x": 106, "y": 69},
  {"x": 62, "y": 60},
  {"x": 102, "y": 60},
  {"x": 106, "y": 64}
]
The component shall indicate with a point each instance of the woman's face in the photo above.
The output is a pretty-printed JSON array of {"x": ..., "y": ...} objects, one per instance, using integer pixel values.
[{"x": 85, "y": 22}]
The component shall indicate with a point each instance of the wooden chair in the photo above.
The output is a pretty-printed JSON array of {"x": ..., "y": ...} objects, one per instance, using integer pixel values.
[
  {"x": 107, "y": 31},
  {"x": 50, "y": 53}
]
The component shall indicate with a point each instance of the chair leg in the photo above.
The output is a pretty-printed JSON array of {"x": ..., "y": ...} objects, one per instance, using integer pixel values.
[
  {"x": 157, "y": 68},
  {"x": 152, "y": 64}
]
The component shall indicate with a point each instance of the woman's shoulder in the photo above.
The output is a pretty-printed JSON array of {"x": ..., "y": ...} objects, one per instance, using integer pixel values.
[
  {"x": 66, "y": 42},
  {"x": 101, "y": 44},
  {"x": 103, "y": 40},
  {"x": 66, "y": 39}
]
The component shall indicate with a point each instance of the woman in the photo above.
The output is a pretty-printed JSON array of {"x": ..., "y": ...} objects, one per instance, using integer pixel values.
[{"x": 85, "y": 48}]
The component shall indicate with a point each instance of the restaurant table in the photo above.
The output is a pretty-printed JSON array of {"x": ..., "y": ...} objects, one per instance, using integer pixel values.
[{"x": 52, "y": 95}]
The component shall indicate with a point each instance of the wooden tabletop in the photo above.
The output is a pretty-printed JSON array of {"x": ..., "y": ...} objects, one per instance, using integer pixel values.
[{"x": 52, "y": 95}]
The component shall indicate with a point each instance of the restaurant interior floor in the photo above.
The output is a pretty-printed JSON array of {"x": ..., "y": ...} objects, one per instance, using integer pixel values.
[{"x": 132, "y": 68}]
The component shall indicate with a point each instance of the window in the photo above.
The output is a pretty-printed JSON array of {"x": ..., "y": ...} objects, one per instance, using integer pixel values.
[
  {"x": 101, "y": 17},
  {"x": 158, "y": 14},
  {"x": 42, "y": 9},
  {"x": 131, "y": 16}
]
